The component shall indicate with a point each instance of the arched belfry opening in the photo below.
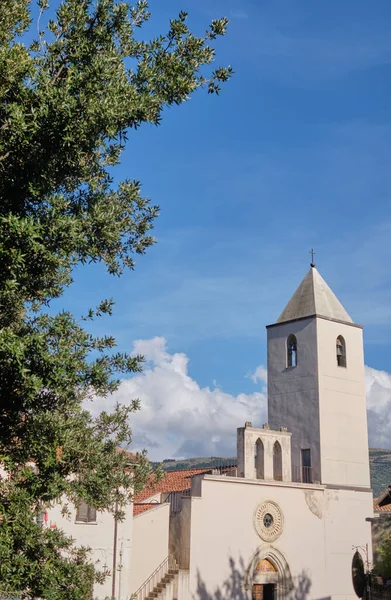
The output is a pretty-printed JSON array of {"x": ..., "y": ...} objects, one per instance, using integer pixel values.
[
  {"x": 268, "y": 576},
  {"x": 291, "y": 348},
  {"x": 277, "y": 461},
  {"x": 259, "y": 459},
  {"x": 264, "y": 453},
  {"x": 341, "y": 351}
]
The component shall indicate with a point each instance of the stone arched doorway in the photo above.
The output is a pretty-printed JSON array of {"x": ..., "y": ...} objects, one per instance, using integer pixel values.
[{"x": 268, "y": 576}]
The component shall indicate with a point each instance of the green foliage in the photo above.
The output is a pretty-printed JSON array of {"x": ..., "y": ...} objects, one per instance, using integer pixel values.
[
  {"x": 383, "y": 560},
  {"x": 68, "y": 103},
  {"x": 44, "y": 557}
]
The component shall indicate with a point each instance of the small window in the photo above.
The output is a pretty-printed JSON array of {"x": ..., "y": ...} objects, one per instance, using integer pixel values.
[
  {"x": 85, "y": 513},
  {"x": 341, "y": 351},
  {"x": 306, "y": 466},
  {"x": 291, "y": 351}
]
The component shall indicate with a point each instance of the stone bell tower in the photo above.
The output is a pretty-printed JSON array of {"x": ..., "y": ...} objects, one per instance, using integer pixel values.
[{"x": 316, "y": 386}]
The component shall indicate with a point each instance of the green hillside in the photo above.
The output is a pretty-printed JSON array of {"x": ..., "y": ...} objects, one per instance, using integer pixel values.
[{"x": 380, "y": 463}]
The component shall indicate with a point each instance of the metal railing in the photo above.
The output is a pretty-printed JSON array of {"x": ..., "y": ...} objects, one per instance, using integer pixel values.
[
  {"x": 219, "y": 464},
  {"x": 223, "y": 465},
  {"x": 302, "y": 474},
  {"x": 379, "y": 592},
  {"x": 155, "y": 578}
]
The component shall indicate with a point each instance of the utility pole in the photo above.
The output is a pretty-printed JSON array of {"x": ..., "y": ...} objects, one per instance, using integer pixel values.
[{"x": 114, "y": 552}]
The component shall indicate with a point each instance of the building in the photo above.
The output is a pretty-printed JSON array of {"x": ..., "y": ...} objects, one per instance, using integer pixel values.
[
  {"x": 97, "y": 531},
  {"x": 286, "y": 523},
  {"x": 110, "y": 541}
]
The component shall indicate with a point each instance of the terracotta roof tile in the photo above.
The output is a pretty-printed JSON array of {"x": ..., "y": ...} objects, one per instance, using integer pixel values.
[
  {"x": 383, "y": 502},
  {"x": 131, "y": 455},
  {"x": 384, "y": 498},
  {"x": 386, "y": 508},
  {"x": 174, "y": 481},
  {"x": 140, "y": 508}
]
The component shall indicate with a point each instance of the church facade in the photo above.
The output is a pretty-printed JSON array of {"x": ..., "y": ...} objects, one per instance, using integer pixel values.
[{"x": 288, "y": 521}]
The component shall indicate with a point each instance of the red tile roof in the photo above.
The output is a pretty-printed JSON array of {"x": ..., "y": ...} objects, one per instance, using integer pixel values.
[
  {"x": 383, "y": 502},
  {"x": 140, "y": 508},
  {"x": 174, "y": 481},
  {"x": 378, "y": 508},
  {"x": 132, "y": 456}
]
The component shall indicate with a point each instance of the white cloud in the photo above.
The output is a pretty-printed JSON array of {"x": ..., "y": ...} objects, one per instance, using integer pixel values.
[
  {"x": 179, "y": 419},
  {"x": 378, "y": 384},
  {"x": 259, "y": 375}
]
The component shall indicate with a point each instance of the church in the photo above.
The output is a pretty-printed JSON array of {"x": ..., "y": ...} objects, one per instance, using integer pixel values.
[{"x": 286, "y": 522}]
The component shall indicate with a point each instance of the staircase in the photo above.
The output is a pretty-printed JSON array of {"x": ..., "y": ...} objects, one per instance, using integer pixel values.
[
  {"x": 163, "y": 589},
  {"x": 161, "y": 584}
]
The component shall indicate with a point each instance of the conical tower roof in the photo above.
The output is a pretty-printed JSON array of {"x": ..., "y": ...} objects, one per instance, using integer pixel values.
[{"x": 314, "y": 297}]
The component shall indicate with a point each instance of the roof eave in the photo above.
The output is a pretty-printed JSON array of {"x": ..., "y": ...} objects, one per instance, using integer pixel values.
[{"x": 312, "y": 317}]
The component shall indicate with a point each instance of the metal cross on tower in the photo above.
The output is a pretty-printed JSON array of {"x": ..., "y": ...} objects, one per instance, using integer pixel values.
[{"x": 312, "y": 252}]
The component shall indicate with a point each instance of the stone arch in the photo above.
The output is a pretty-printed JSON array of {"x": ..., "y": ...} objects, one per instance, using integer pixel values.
[
  {"x": 282, "y": 578},
  {"x": 277, "y": 461},
  {"x": 259, "y": 459},
  {"x": 341, "y": 351},
  {"x": 291, "y": 351}
]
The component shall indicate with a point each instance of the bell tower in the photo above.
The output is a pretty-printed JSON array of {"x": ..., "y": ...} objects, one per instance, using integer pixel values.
[{"x": 316, "y": 386}]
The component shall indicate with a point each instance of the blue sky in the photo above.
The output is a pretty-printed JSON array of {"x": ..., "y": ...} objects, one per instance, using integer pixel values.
[{"x": 295, "y": 153}]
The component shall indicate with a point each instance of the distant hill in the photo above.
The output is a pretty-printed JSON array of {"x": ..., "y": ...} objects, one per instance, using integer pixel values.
[{"x": 380, "y": 464}]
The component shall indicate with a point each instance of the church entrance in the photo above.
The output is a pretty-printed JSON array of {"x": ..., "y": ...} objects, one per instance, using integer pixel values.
[
  {"x": 268, "y": 576},
  {"x": 263, "y": 591}
]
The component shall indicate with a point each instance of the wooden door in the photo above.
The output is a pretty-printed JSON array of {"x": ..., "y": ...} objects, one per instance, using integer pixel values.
[
  {"x": 257, "y": 591},
  {"x": 263, "y": 591}
]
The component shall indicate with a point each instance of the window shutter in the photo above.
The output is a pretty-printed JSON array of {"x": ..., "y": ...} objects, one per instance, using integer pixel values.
[
  {"x": 91, "y": 514},
  {"x": 82, "y": 512}
]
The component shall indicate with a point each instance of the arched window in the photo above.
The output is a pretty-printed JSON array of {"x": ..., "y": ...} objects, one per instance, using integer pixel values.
[
  {"x": 259, "y": 460},
  {"x": 291, "y": 351},
  {"x": 277, "y": 461},
  {"x": 341, "y": 351}
]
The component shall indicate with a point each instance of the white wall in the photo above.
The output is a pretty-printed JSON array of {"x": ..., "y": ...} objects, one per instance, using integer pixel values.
[
  {"x": 345, "y": 526},
  {"x": 99, "y": 537},
  {"x": 322, "y": 404},
  {"x": 183, "y": 585},
  {"x": 317, "y": 522},
  {"x": 293, "y": 392},
  {"x": 150, "y": 543},
  {"x": 343, "y": 415}
]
